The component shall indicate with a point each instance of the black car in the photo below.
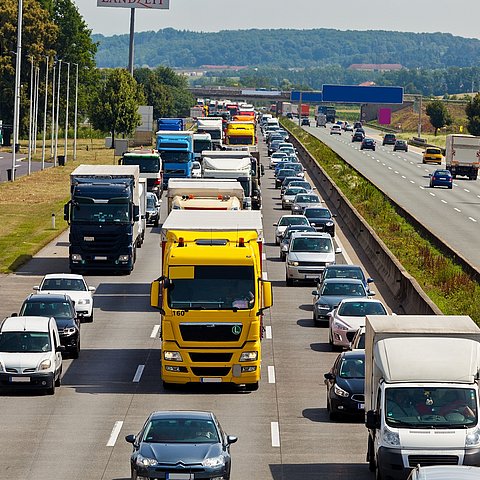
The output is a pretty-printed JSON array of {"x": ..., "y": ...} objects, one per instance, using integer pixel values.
[
  {"x": 400, "y": 145},
  {"x": 62, "y": 308},
  {"x": 153, "y": 209},
  {"x": 181, "y": 444},
  {"x": 283, "y": 174},
  {"x": 305, "y": 121},
  {"x": 346, "y": 385},
  {"x": 345, "y": 271},
  {"x": 368, "y": 144},
  {"x": 389, "y": 139},
  {"x": 321, "y": 219},
  {"x": 274, "y": 145},
  {"x": 358, "y": 137}
]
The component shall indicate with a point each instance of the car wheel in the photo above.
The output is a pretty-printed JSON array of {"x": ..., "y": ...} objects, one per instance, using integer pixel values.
[
  {"x": 76, "y": 353},
  {"x": 51, "y": 390},
  {"x": 333, "y": 415},
  {"x": 289, "y": 281},
  {"x": 58, "y": 381},
  {"x": 378, "y": 475},
  {"x": 155, "y": 223},
  {"x": 450, "y": 187},
  {"x": 251, "y": 387},
  {"x": 330, "y": 340},
  {"x": 167, "y": 385}
]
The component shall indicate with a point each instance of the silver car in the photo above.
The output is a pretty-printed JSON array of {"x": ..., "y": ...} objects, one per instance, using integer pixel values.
[
  {"x": 289, "y": 196},
  {"x": 304, "y": 200},
  {"x": 284, "y": 222},
  {"x": 308, "y": 254}
]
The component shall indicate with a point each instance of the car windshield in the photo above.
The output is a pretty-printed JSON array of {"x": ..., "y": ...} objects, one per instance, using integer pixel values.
[
  {"x": 307, "y": 199},
  {"x": 317, "y": 213},
  {"x": 361, "y": 309},
  {"x": 180, "y": 430},
  {"x": 47, "y": 309},
  {"x": 206, "y": 287},
  {"x": 279, "y": 155},
  {"x": 442, "y": 173},
  {"x": 332, "y": 272},
  {"x": 151, "y": 201},
  {"x": 293, "y": 220},
  {"x": 352, "y": 368},
  {"x": 433, "y": 151},
  {"x": 286, "y": 172},
  {"x": 294, "y": 190},
  {"x": 297, "y": 183},
  {"x": 343, "y": 289},
  {"x": 25, "y": 342},
  {"x": 312, "y": 244},
  {"x": 432, "y": 407},
  {"x": 75, "y": 284}
]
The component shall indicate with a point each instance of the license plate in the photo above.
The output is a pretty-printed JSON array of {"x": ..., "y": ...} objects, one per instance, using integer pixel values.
[
  {"x": 211, "y": 380},
  {"x": 20, "y": 379},
  {"x": 179, "y": 476},
  {"x": 88, "y": 239},
  {"x": 100, "y": 258},
  {"x": 312, "y": 276},
  {"x": 361, "y": 406}
]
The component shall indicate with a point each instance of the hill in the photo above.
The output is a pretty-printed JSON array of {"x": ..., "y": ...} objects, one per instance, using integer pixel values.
[{"x": 289, "y": 48}]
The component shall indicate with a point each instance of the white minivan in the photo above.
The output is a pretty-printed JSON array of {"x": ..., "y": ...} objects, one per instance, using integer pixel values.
[{"x": 30, "y": 353}]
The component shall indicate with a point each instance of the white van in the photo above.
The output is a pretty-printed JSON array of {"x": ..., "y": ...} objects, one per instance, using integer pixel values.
[{"x": 30, "y": 353}]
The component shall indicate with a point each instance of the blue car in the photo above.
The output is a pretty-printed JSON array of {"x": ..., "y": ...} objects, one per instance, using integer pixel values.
[{"x": 441, "y": 178}]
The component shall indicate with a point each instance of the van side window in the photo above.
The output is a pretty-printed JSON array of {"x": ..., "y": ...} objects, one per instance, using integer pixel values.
[{"x": 379, "y": 401}]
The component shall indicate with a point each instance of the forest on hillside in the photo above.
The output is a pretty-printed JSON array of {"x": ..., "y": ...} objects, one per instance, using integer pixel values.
[{"x": 285, "y": 48}]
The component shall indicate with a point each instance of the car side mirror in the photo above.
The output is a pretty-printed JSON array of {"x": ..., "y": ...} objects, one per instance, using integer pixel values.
[
  {"x": 338, "y": 250},
  {"x": 91, "y": 289},
  {"x": 14, "y": 314},
  {"x": 36, "y": 287},
  {"x": 60, "y": 348},
  {"x": 329, "y": 376},
  {"x": 275, "y": 224},
  {"x": 372, "y": 421},
  {"x": 315, "y": 292},
  {"x": 231, "y": 439},
  {"x": 130, "y": 438},
  {"x": 371, "y": 293}
]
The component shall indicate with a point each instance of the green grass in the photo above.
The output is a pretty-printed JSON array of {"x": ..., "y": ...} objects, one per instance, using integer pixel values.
[{"x": 445, "y": 282}]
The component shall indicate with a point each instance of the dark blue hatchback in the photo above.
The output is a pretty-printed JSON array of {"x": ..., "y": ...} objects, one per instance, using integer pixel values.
[{"x": 441, "y": 178}]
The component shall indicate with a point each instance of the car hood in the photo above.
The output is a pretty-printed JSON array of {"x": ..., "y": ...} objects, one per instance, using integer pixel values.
[
  {"x": 331, "y": 300},
  {"x": 23, "y": 359},
  {"x": 64, "y": 323},
  {"x": 352, "y": 385},
  {"x": 311, "y": 257},
  {"x": 73, "y": 294},
  {"x": 354, "y": 322},
  {"x": 186, "y": 453},
  {"x": 319, "y": 221}
]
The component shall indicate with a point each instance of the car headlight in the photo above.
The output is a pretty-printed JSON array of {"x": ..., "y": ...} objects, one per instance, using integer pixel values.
[
  {"x": 286, "y": 200},
  {"x": 340, "y": 391},
  {"x": 329, "y": 224},
  {"x": 248, "y": 356},
  {"x": 145, "y": 461},
  {"x": 123, "y": 258},
  {"x": 473, "y": 438},
  {"x": 339, "y": 325},
  {"x": 293, "y": 263},
  {"x": 284, "y": 247},
  {"x": 213, "y": 462},
  {"x": 45, "y": 364},
  {"x": 391, "y": 438},
  {"x": 69, "y": 330},
  {"x": 83, "y": 301},
  {"x": 76, "y": 257},
  {"x": 172, "y": 356}
]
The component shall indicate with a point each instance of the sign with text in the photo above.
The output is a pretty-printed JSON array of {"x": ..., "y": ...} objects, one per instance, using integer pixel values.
[
  {"x": 360, "y": 94},
  {"x": 155, "y": 4},
  {"x": 307, "y": 96}
]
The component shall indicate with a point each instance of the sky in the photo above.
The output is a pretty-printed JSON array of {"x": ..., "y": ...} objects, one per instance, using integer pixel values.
[{"x": 215, "y": 15}]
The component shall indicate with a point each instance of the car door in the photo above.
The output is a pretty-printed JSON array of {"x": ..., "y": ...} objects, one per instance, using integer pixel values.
[{"x": 56, "y": 343}]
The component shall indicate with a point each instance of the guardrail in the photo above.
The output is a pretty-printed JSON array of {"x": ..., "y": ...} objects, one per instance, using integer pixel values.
[{"x": 404, "y": 288}]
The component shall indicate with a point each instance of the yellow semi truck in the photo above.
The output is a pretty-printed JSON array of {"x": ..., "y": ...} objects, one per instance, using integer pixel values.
[
  {"x": 240, "y": 133},
  {"x": 212, "y": 296}
]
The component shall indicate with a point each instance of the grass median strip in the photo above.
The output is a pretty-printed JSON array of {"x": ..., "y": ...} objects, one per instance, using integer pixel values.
[
  {"x": 445, "y": 282},
  {"x": 26, "y": 208}
]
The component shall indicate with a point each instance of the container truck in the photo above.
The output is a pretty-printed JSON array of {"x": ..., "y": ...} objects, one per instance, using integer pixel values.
[
  {"x": 197, "y": 111},
  {"x": 104, "y": 214},
  {"x": 213, "y": 126},
  {"x": 240, "y": 133},
  {"x": 204, "y": 194},
  {"x": 329, "y": 112},
  {"x": 176, "y": 150},
  {"x": 462, "y": 155},
  {"x": 171, "y": 124},
  {"x": 212, "y": 297},
  {"x": 421, "y": 392},
  {"x": 150, "y": 165},
  {"x": 201, "y": 142}
]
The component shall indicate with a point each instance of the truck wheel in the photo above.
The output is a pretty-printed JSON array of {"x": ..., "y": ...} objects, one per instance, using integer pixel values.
[
  {"x": 251, "y": 387},
  {"x": 378, "y": 475},
  {"x": 371, "y": 456},
  {"x": 167, "y": 385},
  {"x": 289, "y": 281}
]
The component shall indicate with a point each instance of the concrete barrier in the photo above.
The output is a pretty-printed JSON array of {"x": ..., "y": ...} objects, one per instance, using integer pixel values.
[{"x": 405, "y": 289}]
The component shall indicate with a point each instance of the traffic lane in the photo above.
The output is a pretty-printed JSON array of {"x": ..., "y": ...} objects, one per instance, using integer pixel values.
[
  {"x": 450, "y": 214},
  {"x": 302, "y": 355},
  {"x": 21, "y": 162}
]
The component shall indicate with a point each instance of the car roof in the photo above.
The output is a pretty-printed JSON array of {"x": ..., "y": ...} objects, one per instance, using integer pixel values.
[
  {"x": 25, "y": 324},
  {"x": 355, "y": 281},
  {"x": 353, "y": 354},
  {"x": 353, "y": 300},
  {"x": 64, "y": 275},
  {"x": 311, "y": 234},
  {"x": 442, "y": 472},
  {"x": 193, "y": 414},
  {"x": 344, "y": 267},
  {"x": 48, "y": 297}
]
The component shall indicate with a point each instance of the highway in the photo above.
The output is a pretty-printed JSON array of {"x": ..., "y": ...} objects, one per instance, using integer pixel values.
[
  {"x": 22, "y": 164},
  {"x": 452, "y": 215},
  {"x": 283, "y": 428}
]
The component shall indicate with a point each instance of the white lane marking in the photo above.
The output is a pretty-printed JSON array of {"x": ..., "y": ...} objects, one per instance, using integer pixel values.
[
  {"x": 115, "y": 432},
  {"x": 472, "y": 219},
  {"x": 468, "y": 191},
  {"x": 378, "y": 161},
  {"x": 419, "y": 166},
  {"x": 396, "y": 172},
  {"x": 383, "y": 164},
  {"x": 155, "y": 330},
  {"x": 457, "y": 210},
  {"x": 264, "y": 276},
  {"x": 344, "y": 253},
  {"x": 138, "y": 374},
  {"x": 411, "y": 181},
  {"x": 264, "y": 256},
  {"x": 271, "y": 374},
  {"x": 275, "y": 432},
  {"x": 390, "y": 168},
  {"x": 444, "y": 201},
  {"x": 455, "y": 184},
  {"x": 423, "y": 188},
  {"x": 478, "y": 196},
  {"x": 268, "y": 332},
  {"x": 403, "y": 176},
  {"x": 411, "y": 163},
  {"x": 432, "y": 194}
]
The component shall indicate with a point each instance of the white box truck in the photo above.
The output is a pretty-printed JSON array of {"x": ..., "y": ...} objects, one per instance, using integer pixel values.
[
  {"x": 213, "y": 126},
  {"x": 421, "y": 392},
  {"x": 462, "y": 155}
]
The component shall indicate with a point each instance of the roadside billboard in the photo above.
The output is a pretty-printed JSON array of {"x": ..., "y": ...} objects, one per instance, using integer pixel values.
[
  {"x": 359, "y": 94},
  {"x": 155, "y": 4}
]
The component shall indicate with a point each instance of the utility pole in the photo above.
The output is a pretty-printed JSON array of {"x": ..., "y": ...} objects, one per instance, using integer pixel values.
[
  {"x": 66, "y": 110},
  {"x": 45, "y": 115},
  {"x": 58, "y": 112},
  {"x": 75, "y": 116}
]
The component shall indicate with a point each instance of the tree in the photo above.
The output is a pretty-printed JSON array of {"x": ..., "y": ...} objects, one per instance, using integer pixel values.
[
  {"x": 439, "y": 115},
  {"x": 473, "y": 114},
  {"x": 114, "y": 106}
]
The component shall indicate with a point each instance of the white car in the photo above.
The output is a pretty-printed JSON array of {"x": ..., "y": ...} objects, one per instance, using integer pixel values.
[
  {"x": 276, "y": 158},
  {"x": 72, "y": 285},
  {"x": 285, "y": 221},
  {"x": 336, "y": 129},
  {"x": 196, "y": 169},
  {"x": 349, "y": 316},
  {"x": 441, "y": 472}
]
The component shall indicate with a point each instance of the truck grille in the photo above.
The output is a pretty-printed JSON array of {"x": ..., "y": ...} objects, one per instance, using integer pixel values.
[
  {"x": 211, "y": 332},
  {"x": 210, "y": 371},
  {"x": 311, "y": 264},
  {"x": 105, "y": 243},
  {"x": 210, "y": 357},
  {"x": 426, "y": 460}
]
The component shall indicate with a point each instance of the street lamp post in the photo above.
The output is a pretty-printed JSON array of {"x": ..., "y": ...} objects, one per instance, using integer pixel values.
[
  {"x": 66, "y": 110},
  {"x": 35, "y": 110},
  {"x": 30, "y": 116},
  {"x": 75, "y": 116},
  {"x": 54, "y": 73},
  {"x": 45, "y": 114},
  {"x": 58, "y": 112},
  {"x": 16, "y": 105}
]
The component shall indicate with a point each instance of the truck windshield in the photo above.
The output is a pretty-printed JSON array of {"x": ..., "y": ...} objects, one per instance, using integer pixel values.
[
  {"x": 200, "y": 145},
  {"x": 215, "y": 134},
  {"x": 432, "y": 407},
  {"x": 150, "y": 164},
  {"x": 241, "y": 140},
  {"x": 170, "y": 156},
  {"x": 214, "y": 288},
  {"x": 25, "y": 342},
  {"x": 246, "y": 185},
  {"x": 84, "y": 211}
]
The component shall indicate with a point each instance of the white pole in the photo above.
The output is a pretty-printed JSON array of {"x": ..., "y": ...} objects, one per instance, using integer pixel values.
[
  {"x": 30, "y": 117},
  {"x": 16, "y": 105},
  {"x": 35, "y": 118},
  {"x": 58, "y": 111},
  {"x": 66, "y": 110},
  {"x": 75, "y": 116},
  {"x": 53, "y": 106},
  {"x": 45, "y": 116}
]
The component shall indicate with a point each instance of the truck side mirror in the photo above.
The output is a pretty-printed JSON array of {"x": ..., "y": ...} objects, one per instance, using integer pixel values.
[
  {"x": 136, "y": 213},
  {"x": 267, "y": 294},
  {"x": 262, "y": 169},
  {"x": 156, "y": 295},
  {"x": 372, "y": 421},
  {"x": 66, "y": 212}
]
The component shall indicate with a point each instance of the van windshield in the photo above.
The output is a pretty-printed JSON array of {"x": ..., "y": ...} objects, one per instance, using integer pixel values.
[{"x": 27, "y": 342}]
